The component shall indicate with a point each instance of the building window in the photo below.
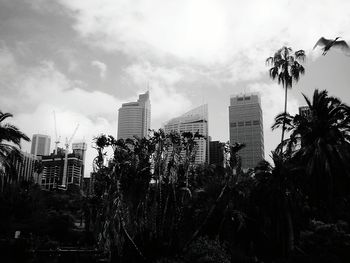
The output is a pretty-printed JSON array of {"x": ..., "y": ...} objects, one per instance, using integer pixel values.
[
  {"x": 240, "y": 123},
  {"x": 256, "y": 122},
  {"x": 247, "y": 98},
  {"x": 240, "y": 99},
  {"x": 233, "y": 124},
  {"x": 248, "y": 123}
]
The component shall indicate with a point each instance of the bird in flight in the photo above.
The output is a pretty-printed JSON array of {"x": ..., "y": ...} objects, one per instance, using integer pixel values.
[{"x": 329, "y": 43}]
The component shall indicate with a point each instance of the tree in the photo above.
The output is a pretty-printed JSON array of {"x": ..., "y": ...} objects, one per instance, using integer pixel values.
[
  {"x": 320, "y": 141},
  {"x": 149, "y": 202},
  {"x": 276, "y": 196},
  {"x": 286, "y": 69},
  {"x": 10, "y": 143}
]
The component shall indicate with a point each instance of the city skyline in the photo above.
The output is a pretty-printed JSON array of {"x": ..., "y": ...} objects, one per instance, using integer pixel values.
[{"x": 84, "y": 59}]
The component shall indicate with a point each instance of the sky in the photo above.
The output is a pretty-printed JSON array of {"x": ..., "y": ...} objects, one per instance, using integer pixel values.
[{"x": 83, "y": 59}]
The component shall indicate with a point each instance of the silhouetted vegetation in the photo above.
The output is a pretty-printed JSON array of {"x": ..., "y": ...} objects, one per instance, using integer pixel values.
[{"x": 10, "y": 143}]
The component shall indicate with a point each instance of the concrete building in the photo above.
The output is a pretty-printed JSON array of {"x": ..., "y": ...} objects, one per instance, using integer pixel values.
[
  {"x": 79, "y": 149},
  {"x": 134, "y": 118},
  {"x": 216, "y": 153},
  {"x": 88, "y": 185},
  {"x": 53, "y": 166},
  {"x": 193, "y": 121},
  {"x": 25, "y": 167},
  {"x": 246, "y": 126},
  {"x": 305, "y": 111},
  {"x": 40, "y": 144}
]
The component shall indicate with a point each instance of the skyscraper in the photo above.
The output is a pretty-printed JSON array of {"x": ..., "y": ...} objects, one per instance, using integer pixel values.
[
  {"x": 193, "y": 121},
  {"x": 246, "y": 126},
  {"x": 134, "y": 118},
  {"x": 40, "y": 144}
]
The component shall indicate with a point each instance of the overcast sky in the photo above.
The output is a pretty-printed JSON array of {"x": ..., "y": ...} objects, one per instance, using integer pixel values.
[{"x": 84, "y": 58}]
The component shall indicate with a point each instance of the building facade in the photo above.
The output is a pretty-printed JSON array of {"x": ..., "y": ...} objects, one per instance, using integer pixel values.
[
  {"x": 88, "y": 185},
  {"x": 40, "y": 144},
  {"x": 246, "y": 126},
  {"x": 305, "y": 111},
  {"x": 195, "y": 120},
  {"x": 53, "y": 166},
  {"x": 79, "y": 149},
  {"x": 216, "y": 153},
  {"x": 134, "y": 118},
  {"x": 26, "y": 167}
]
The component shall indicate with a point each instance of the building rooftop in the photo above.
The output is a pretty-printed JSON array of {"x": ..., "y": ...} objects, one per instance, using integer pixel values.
[{"x": 197, "y": 114}]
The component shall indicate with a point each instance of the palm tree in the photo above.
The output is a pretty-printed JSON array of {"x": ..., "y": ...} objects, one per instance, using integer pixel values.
[
  {"x": 10, "y": 143},
  {"x": 321, "y": 142},
  {"x": 286, "y": 69}
]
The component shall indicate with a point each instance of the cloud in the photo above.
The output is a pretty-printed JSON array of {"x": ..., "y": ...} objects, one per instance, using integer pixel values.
[
  {"x": 207, "y": 31},
  {"x": 167, "y": 101},
  {"x": 220, "y": 41},
  {"x": 7, "y": 62},
  {"x": 145, "y": 72},
  {"x": 102, "y": 67},
  {"x": 38, "y": 91},
  {"x": 70, "y": 59}
]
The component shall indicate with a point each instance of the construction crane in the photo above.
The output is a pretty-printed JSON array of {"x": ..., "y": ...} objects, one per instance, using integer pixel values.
[
  {"x": 68, "y": 142},
  {"x": 57, "y": 139}
]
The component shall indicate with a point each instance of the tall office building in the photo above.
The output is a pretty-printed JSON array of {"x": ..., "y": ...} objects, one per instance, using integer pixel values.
[
  {"x": 193, "y": 121},
  {"x": 246, "y": 126},
  {"x": 134, "y": 118},
  {"x": 40, "y": 144}
]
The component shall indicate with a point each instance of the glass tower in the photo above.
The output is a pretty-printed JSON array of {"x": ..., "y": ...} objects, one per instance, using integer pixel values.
[{"x": 134, "y": 118}]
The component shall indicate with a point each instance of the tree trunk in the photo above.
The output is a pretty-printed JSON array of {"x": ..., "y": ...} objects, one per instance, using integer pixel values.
[
  {"x": 284, "y": 118},
  {"x": 290, "y": 229}
]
